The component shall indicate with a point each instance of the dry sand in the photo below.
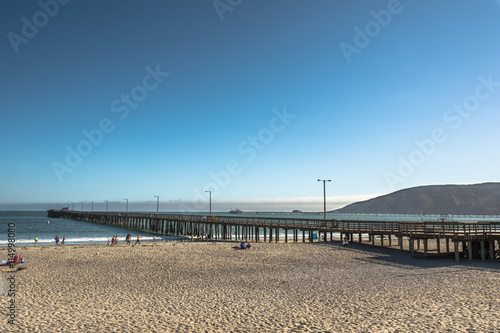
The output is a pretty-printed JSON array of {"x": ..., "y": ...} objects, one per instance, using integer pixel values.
[{"x": 294, "y": 287}]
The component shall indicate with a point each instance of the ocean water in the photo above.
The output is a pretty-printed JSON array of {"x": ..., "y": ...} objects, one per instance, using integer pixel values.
[{"x": 29, "y": 225}]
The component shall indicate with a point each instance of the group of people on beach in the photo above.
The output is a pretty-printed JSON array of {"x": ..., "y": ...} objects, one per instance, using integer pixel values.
[
  {"x": 243, "y": 246},
  {"x": 114, "y": 240},
  {"x": 57, "y": 240}
]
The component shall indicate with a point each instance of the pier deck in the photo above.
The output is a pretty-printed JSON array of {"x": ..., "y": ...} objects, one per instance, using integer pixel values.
[{"x": 470, "y": 239}]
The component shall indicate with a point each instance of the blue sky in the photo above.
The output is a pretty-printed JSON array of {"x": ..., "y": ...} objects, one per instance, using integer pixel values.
[{"x": 253, "y": 100}]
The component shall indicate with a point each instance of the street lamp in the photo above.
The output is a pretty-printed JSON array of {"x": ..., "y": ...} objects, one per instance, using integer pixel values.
[
  {"x": 106, "y": 206},
  {"x": 126, "y": 207},
  {"x": 210, "y": 196},
  {"x": 157, "y": 204},
  {"x": 324, "y": 195},
  {"x": 92, "y": 206}
]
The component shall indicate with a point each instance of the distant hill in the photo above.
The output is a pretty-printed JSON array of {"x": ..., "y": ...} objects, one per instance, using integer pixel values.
[{"x": 477, "y": 199}]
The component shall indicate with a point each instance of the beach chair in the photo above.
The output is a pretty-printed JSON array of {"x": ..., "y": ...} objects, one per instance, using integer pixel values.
[{"x": 16, "y": 261}]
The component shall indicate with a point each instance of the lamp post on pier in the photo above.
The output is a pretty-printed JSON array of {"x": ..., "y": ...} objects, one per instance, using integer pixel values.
[
  {"x": 210, "y": 202},
  {"x": 106, "y": 206},
  {"x": 126, "y": 206},
  {"x": 157, "y": 204},
  {"x": 92, "y": 206},
  {"x": 324, "y": 195}
]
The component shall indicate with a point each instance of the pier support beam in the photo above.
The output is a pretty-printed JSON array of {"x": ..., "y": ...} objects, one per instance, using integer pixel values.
[
  {"x": 483, "y": 252},
  {"x": 457, "y": 255},
  {"x": 469, "y": 247}
]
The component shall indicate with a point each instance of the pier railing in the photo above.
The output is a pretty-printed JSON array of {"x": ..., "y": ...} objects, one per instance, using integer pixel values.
[
  {"x": 469, "y": 237},
  {"x": 456, "y": 230}
]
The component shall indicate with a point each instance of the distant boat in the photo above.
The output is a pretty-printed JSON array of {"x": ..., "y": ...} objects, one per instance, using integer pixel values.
[{"x": 235, "y": 211}]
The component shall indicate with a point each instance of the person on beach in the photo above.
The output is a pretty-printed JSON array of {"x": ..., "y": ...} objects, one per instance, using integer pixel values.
[
  {"x": 64, "y": 238},
  {"x": 36, "y": 240},
  {"x": 138, "y": 240},
  {"x": 57, "y": 240},
  {"x": 249, "y": 245},
  {"x": 107, "y": 243},
  {"x": 128, "y": 238},
  {"x": 345, "y": 242}
]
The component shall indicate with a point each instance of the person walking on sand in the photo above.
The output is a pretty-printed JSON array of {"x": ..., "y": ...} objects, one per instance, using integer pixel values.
[
  {"x": 345, "y": 242},
  {"x": 64, "y": 238},
  {"x": 36, "y": 240},
  {"x": 57, "y": 240},
  {"x": 138, "y": 240}
]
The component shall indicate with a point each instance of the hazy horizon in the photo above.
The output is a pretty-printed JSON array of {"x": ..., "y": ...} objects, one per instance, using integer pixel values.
[{"x": 312, "y": 204}]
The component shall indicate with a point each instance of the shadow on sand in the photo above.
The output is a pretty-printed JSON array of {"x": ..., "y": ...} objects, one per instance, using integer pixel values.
[{"x": 397, "y": 258}]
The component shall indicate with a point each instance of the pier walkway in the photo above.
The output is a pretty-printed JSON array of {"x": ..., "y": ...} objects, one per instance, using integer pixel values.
[{"x": 469, "y": 239}]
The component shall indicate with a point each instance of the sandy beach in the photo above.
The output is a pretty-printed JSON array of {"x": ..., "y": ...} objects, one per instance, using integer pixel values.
[{"x": 204, "y": 287}]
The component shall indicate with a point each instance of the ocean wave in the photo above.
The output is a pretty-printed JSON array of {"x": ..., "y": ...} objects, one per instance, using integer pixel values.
[{"x": 86, "y": 240}]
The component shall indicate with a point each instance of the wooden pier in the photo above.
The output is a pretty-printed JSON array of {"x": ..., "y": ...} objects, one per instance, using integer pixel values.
[{"x": 469, "y": 239}]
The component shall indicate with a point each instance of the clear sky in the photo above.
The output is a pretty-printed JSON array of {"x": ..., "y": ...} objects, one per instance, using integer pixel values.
[{"x": 252, "y": 100}]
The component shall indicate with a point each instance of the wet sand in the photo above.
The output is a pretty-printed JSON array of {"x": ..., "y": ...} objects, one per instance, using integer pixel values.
[{"x": 294, "y": 287}]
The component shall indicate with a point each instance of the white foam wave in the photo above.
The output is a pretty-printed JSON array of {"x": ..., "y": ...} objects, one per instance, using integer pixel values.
[{"x": 95, "y": 240}]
